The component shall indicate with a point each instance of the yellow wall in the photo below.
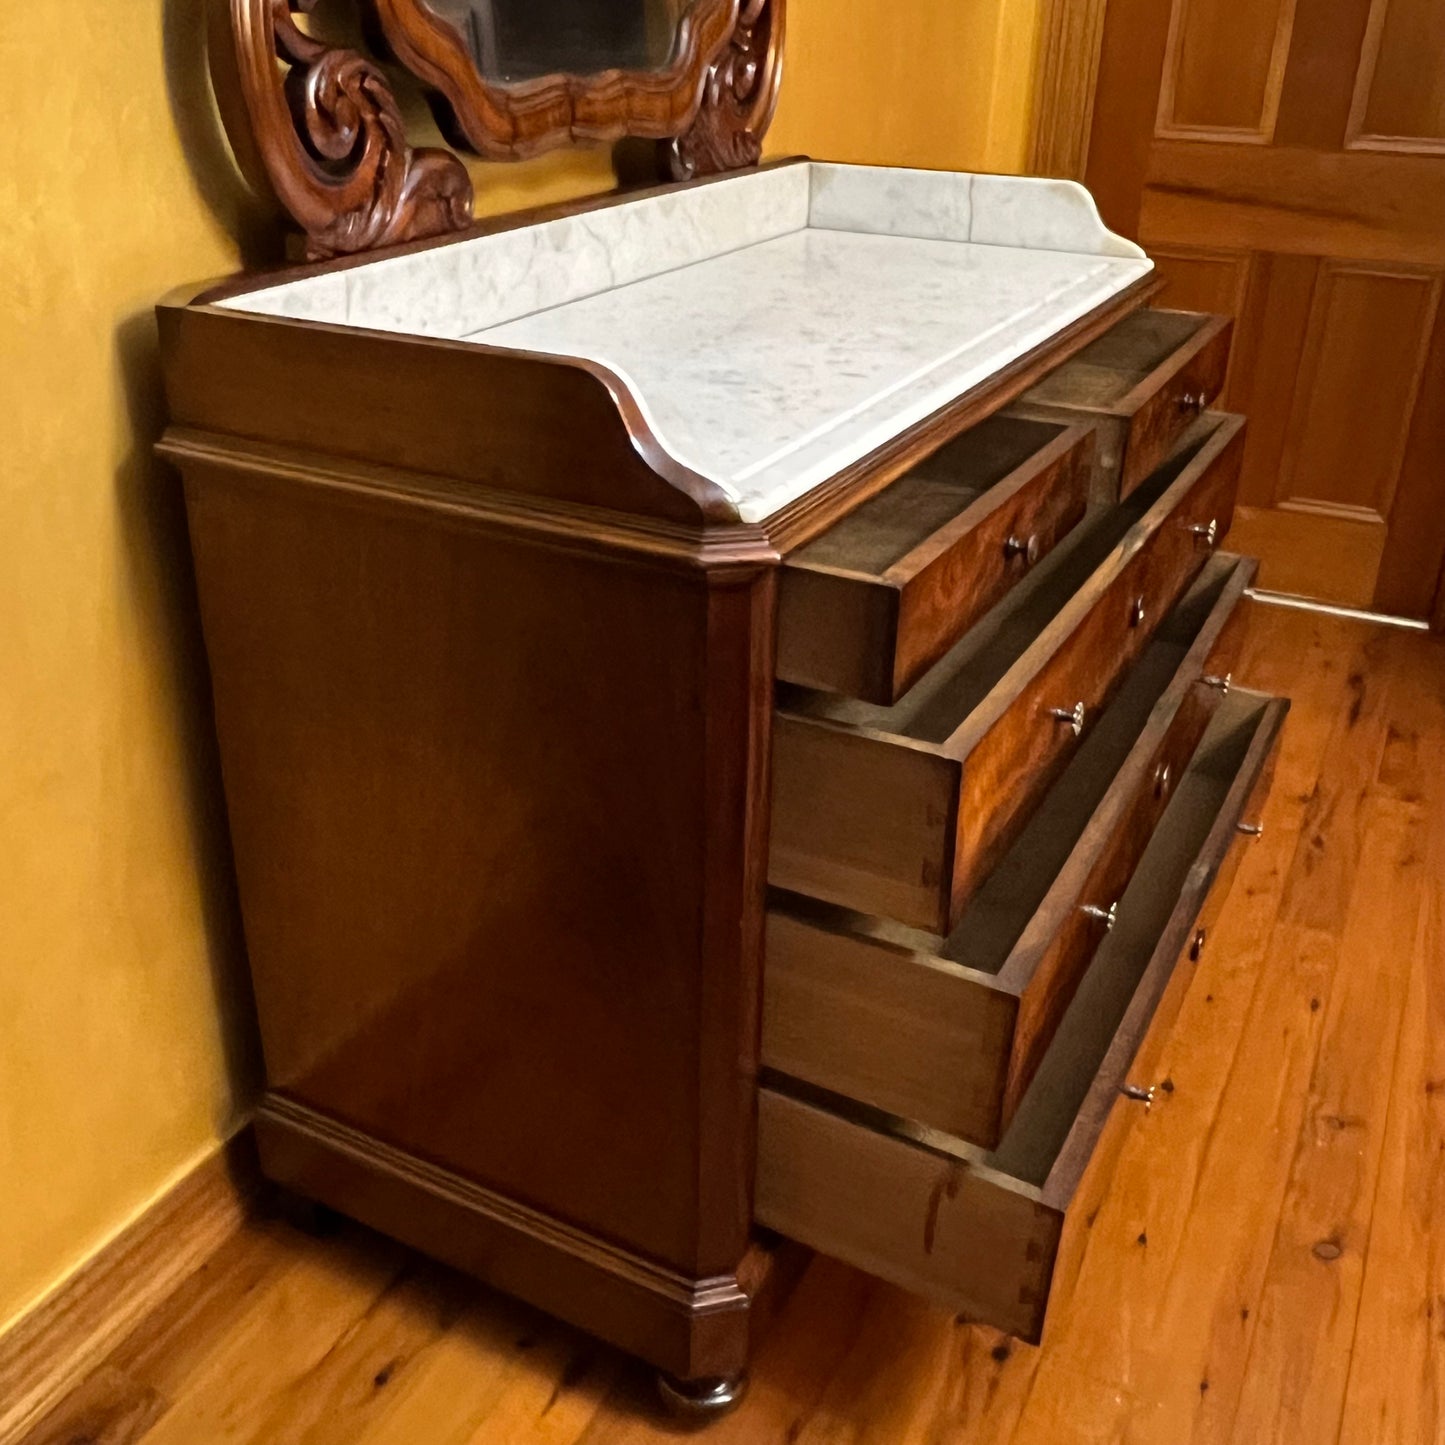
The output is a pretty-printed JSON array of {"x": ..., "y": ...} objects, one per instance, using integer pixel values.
[
  {"x": 126, "y": 1046},
  {"x": 938, "y": 83}
]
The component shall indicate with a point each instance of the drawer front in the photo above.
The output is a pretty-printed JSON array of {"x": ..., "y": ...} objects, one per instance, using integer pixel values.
[
  {"x": 1068, "y": 935},
  {"x": 849, "y": 624},
  {"x": 978, "y": 1242},
  {"x": 886, "y": 825},
  {"x": 1144, "y": 383},
  {"x": 899, "y": 1022},
  {"x": 1172, "y": 400},
  {"x": 1023, "y": 750},
  {"x": 976, "y": 1231},
  {"x": 966, "y": 575},
  {"x": 862, "y": 821},
  {"x": 898, "y": 1030}
]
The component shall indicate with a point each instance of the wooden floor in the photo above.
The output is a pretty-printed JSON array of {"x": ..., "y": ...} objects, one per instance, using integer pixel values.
[{"x": 1264, "y": 1262}]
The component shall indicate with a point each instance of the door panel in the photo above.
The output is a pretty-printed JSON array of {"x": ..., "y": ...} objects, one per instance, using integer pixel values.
[
  {"x": 1224, "y": 68},
  {"x": 1356, "y": 390},
  {"x": 1284, "y": 161},
  {"x": 1399, "y": 101}
]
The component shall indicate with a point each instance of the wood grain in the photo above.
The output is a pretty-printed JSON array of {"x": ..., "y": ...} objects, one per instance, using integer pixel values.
[
  {"x": 1304, "y": 139},
  {"x": 263, "y": 1341},
  {"x": 901, "y": 812},
  {"x": 1143, "y": 385},
  {"x": 878, "y": 599},
  {"x": 1071, "y": 34},
  {"x": 54, "y": 1345}
]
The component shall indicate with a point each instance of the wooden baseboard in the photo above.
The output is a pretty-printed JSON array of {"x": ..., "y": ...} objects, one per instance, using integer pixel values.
[{"x": 49, "y": 1350}]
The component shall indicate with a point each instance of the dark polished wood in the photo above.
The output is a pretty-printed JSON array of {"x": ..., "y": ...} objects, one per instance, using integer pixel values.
[
  {"x": 949, "y": 1032},
  {"x": 739, "y": 96},
  {"x": 317, "y": 126},
  {"x": 495, "y": 688},
  {"x": 1145, "y": 382},
  {"x": 437, "y": 731},
  {"x": 980, "y": 1232},
  {"x": 902, "y": 812},
  {"x": 871, "y": 605},
  {"x": 511, "y": 120}
]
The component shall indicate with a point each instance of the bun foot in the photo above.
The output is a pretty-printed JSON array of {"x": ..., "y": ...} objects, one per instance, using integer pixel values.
[{"x": 701, "y": 1400}]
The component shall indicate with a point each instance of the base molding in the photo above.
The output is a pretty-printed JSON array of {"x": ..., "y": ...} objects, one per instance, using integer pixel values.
[
  {"x": 691, "y": 1328},
  {"x": 49, "y": 1350}
]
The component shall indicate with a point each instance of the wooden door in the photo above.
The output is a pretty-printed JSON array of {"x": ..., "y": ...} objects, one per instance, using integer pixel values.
[{"x": 1284, "y": 161}]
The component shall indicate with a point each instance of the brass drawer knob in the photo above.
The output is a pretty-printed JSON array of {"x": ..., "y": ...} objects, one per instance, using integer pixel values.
[
  {"x": 1140, "y": 1096},
  {"x": 1163, "y": 779},
  {"x": 1073, "y": 716},
  {"x": 1193, "y": 402},
  {"x": 1026, "y": 547},
  {"x": 1207, "y": 531},
  {"x": 1107, "y": 916},
  {"x": 1221, "y": 685},
  {"x": 1138, "y": 611},
  {"x": 1251, "y": 830}
]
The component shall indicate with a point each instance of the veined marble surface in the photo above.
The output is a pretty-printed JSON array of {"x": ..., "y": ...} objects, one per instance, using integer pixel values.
[{"x": 774, "y": 327}]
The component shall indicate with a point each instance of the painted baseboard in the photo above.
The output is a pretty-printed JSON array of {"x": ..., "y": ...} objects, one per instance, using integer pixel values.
[{"x": 50, "y": 1349}]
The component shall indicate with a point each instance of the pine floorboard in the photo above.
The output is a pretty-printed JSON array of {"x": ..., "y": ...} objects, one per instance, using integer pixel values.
[{"x": 1262, "y": 1258}]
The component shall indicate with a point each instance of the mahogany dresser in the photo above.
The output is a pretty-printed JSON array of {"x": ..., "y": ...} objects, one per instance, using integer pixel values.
[{"x": 731, "y": 721}]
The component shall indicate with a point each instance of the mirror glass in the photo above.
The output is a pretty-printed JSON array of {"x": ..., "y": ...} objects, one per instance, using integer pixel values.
[{"x": 516, "y": 40}]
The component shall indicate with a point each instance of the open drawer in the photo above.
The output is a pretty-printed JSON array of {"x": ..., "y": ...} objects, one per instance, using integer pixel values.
[
  {"x": 902, "y": 811},
  {"x": 979, "y": 1231},
  {"x": 949, "y": 1032},
  {"x": 869, "y": 606},
  {"x": 1144, "y": 382}
]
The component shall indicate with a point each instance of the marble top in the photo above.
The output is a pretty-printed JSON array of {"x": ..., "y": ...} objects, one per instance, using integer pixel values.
[{"x": 775, "y": 327}]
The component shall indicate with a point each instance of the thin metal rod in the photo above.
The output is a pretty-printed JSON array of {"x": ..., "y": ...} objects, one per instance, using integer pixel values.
[{"x": 1331, "y": 609}]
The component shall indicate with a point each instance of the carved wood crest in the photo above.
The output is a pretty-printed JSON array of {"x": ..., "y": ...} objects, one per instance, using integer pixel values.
[{"x": 319, "y": 125}]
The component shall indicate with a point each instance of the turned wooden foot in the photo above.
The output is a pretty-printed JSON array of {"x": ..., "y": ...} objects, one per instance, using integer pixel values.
[{"x": 701, "y": 1400}]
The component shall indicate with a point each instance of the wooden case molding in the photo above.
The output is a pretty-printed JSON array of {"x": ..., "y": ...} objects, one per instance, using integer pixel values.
[{"x": 319, "y": 126}]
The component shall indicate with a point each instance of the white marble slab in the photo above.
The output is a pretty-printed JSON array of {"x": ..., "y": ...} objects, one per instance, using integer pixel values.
[{"x": 774, "y": 327}]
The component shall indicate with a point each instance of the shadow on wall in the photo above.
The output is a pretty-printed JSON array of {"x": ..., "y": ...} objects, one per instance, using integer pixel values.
[
  {"x": 156, "y": 549},
  {"x": 156, "y": 552},
  {"x": 255, "y": 223}
]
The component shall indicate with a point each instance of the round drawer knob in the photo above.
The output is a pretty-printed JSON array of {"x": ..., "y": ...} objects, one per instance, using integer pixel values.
[
  {"x": 1163, "y": 780},
  {"x": 1196, "y": 945},
  {"x": 1073, "y": 716},
  {"x": 1193, "y": 402},
  {"x": 1107, "y": 916},
  {"x": 1207, "y": 531},
  {"x": 1138, "y": 611},
  {"x": 1026, "y": 547},
  {"x": 1221, "y": 685}
]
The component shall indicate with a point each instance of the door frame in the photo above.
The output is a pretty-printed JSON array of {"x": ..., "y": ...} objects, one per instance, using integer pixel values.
[{"x": 1066, "y": 73}]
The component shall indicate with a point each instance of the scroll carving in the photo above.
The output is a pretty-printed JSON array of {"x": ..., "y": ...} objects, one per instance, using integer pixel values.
[
  {"x": 739, "y": 96},
  {"x": 329, "y": 137}
]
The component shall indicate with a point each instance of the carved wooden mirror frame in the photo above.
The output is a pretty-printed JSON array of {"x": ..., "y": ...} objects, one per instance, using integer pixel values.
[{"x": 318, "y": 124}]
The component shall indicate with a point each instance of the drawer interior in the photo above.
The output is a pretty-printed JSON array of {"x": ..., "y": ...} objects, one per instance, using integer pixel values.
[
  {"x": 979, "y": 1229},
  {"x": 1107, "y": 370},
  {"x": 1032, "y": 1148},
  {"x": 998, "y": 913},
  {"x": 931, "y": 711},
  {"x": 1035, "y": 1140},
  {"x": 947, "y": 1031},
  {"x": 902, "y": 517}
]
